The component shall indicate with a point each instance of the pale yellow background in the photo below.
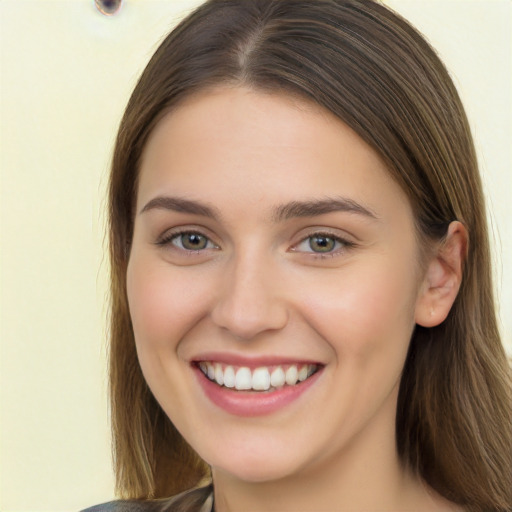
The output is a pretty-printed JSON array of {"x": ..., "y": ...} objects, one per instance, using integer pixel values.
[{"x": 66, "y": 73}]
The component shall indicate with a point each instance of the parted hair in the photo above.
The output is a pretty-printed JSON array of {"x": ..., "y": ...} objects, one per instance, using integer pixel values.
[{"x": 376, "y": 73}]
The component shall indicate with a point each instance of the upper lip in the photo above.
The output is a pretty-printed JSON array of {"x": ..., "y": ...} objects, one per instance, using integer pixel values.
[{"x": 252, "y": 361}]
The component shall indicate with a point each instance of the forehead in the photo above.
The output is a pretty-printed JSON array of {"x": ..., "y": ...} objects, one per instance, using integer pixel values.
[{"x": 236, "y": 143}]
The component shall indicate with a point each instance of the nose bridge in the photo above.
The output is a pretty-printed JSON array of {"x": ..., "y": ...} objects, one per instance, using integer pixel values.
[{"x": 250, "y": 301}]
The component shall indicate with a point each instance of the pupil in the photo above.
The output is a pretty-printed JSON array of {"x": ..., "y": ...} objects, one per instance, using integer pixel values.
[
  {"x": 194, "y": 241},
  {"x": 321, "y": 244}
]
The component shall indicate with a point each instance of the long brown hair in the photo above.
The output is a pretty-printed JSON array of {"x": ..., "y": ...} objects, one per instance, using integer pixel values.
[{"x": 369, "y": 67}]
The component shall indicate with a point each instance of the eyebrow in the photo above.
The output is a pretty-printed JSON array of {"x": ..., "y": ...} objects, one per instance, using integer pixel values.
[
  {"x": 320, "y": 207},
  {"x": 281, "y": 213},
  {"x": 178, "y": 204}
]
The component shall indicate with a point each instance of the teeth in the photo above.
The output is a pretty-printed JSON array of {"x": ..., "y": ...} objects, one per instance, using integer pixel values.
[
  {"x": 260, "y": 379},
  {"x": 291, "y": 375},
  {"x": 303, "y": 374},
  {"x": 219, "y": 374},
  {"x": 229, "y": 377},
  {"x": 243, "y": 379},
  {"x": 277, "y": 379}
]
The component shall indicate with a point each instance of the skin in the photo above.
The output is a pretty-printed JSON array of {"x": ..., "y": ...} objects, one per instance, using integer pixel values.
[{"x": 258, "y": 288}]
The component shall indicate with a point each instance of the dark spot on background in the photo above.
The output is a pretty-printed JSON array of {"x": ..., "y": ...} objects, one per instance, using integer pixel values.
[{"x": 108, "y": 7}]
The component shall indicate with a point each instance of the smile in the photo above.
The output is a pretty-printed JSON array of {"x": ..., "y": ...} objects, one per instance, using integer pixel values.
[
  {"x": 256, "y": 389},
  {"x": 263, "y": 378}
]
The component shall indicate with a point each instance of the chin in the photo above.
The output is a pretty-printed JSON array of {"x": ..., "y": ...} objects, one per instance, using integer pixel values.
[
  {"x": 255, "y": 472},
  {"x": 253, "y": 467}
]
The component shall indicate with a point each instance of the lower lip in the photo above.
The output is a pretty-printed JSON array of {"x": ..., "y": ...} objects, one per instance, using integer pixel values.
[{"x": 255, "y": 403}]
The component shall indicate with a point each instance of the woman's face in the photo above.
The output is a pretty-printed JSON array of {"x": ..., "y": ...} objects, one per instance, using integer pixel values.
[{"x": 272, "y": 283}]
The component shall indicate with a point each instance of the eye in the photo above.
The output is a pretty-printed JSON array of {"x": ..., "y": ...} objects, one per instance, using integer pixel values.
[
  {"x": 188, "y": 241},
  {"x": 322, "y": 243}
]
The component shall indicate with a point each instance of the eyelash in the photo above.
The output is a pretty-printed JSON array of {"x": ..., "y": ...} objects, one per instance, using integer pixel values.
[
  {"x": 343, "y": 244},
  {"x": 168, "y": 238}
]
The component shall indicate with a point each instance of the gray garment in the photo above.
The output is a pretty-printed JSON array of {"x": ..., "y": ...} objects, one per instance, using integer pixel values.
[{"x": 195, "y": 500}]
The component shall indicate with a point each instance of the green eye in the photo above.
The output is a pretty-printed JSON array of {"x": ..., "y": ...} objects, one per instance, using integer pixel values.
[
  {"x": 191, "y": 241},
  {"x": 321, "y": 243}
]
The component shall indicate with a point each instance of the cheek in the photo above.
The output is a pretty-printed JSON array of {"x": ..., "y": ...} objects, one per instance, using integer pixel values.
[
  {"x": 365, "y": 312},
  {"x": 163, "y": 304}
]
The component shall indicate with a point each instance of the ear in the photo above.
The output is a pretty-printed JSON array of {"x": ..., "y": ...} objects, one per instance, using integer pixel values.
[{"x": 442, "y": 278}]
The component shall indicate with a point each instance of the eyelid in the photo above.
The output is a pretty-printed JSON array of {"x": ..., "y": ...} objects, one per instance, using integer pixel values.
[
  {"x": 344, "y": 241},
  {"x": 167, "y": 237}
]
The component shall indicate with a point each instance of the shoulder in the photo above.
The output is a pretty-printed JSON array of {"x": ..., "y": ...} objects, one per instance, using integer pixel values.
[
  {"x": 195, "y": 500},
  {"x": 122, "y": 506}
]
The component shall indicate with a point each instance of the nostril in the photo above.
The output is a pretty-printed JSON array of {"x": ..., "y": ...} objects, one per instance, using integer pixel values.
[{"x": 245, "y": 320}]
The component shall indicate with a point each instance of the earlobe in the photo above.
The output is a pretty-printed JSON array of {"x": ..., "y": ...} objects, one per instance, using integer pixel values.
[{"x": 442, "y": 278}]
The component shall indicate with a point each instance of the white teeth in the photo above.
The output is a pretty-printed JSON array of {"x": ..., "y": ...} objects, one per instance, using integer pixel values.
[
  {"x": 219, "y": 374},
  {"x": 291, "y": 375},
  {"x": 277, "y": 379},
  {"x": 243, "y": 379},
  {"x": 229, "y": 377},
  {"x": 261, "y": 379},
  {"x": 303, "y": 374}
]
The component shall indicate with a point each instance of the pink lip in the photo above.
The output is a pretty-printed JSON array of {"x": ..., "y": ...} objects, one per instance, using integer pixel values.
[{"x": 252, "y": 403}]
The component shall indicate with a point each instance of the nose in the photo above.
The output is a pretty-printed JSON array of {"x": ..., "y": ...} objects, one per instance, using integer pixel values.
[{"x": 251, "y": 299}]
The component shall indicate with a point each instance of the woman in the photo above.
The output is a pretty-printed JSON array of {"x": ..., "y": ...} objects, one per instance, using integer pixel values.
[{"x": 302, "y": 304}]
